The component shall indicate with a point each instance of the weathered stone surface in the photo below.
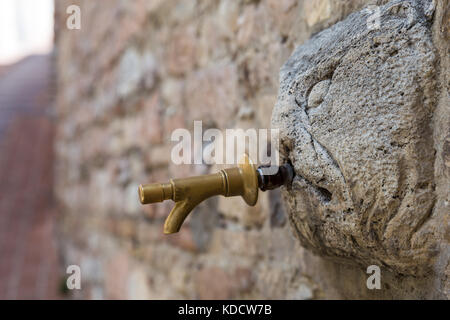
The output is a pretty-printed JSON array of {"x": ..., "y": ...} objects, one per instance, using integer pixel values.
[{"x": 355, "y": 111}]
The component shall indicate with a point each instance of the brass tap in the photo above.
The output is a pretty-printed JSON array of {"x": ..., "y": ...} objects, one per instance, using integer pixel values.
[{"x": 187, "y": 193}]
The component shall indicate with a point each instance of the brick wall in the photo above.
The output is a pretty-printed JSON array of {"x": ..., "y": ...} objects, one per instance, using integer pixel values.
[{"x": 136, "y": 71}]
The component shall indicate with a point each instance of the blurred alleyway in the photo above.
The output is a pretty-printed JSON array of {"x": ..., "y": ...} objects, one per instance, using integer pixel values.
[{"x": 28, "y": 257}]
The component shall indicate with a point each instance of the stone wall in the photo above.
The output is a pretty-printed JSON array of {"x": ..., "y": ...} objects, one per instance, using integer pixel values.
[{"x": 136, "y": 71}]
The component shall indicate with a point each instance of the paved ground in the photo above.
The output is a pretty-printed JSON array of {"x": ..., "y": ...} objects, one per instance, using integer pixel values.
[{"x": 28, "y": 257}]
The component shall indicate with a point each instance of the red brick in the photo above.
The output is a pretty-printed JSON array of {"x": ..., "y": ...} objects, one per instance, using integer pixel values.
[{"x": 26, "y": 170}]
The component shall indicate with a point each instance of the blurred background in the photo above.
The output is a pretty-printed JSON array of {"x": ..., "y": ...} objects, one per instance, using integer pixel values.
[
  {"x": 29, "y": 266},
  {"x": 86, "y": 115}
]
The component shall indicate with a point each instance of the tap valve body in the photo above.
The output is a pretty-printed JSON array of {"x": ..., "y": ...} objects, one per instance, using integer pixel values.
[{"x": 187, "y": 193}]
